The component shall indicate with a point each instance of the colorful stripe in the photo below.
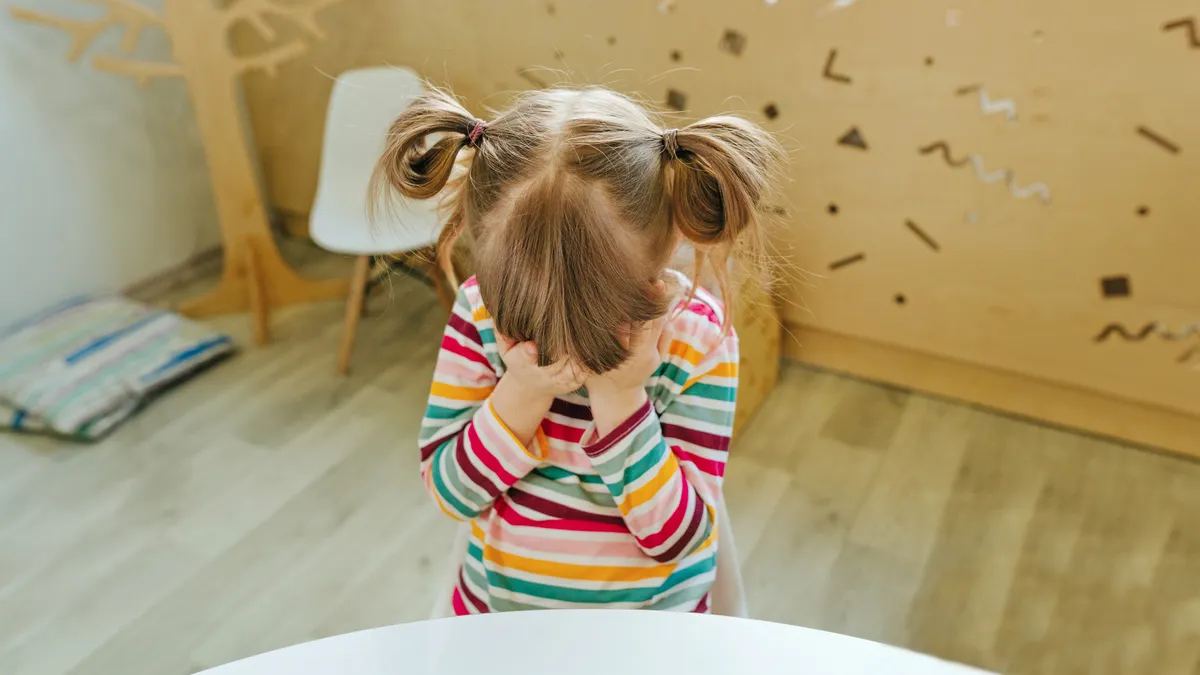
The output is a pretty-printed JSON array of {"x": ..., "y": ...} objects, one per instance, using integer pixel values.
[{"x": 627, "y": 520}]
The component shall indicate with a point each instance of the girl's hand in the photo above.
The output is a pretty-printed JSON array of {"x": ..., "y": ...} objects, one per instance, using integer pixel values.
[
  {"x": 645, "y": 356},
  {"x": 520, "y": 360},
  {"x": 618, "y": 394}
]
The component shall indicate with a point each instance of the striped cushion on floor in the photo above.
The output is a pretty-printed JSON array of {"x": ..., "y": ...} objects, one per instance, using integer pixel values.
[{"x": 83, "y": 367}]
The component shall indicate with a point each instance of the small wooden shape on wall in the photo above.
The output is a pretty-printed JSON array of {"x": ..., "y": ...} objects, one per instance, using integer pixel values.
[
  {"x": 1159, "y": 140},
  {"x": 733, "y": 42},
  {"x": 1116, "y": 286},
  {"x": 1152, "y": 328},
  {"x": 987, "y": 105},
  {"x": 1155, "y": 328},
  {"x": 854, "y": 139},
  {"x": 922, "y": 235},
  {"x": 1188, "y": 24},
  {"x": 835, "y": 5},
  {"x": 849, "y": 260},
  {"x": 1188, "y": 355},
  {"x": 255, "y": 277},
  {"x": 527, "y": 74},
  {"x": 1006, "y": 175},
  {"x": 676, "y": 100},
  {"x": 827, "y": 71}
]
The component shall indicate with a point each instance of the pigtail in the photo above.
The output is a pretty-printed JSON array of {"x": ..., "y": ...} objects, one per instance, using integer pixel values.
[
  {"x": 411, "y": 167},
  {"x": 720, "y": 171}
]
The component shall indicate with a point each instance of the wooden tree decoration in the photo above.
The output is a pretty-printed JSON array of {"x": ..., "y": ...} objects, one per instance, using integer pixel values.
[{"x": 255, "y": 276}]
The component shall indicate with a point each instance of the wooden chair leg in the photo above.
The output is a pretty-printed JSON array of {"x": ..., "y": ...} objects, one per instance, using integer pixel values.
[
  {"x": 354, "y": 305},
  {"x": 258, "y": 303}
]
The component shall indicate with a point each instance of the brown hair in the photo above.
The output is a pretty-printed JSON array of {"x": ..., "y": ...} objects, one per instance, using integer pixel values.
[{"x": 574, "y": 199}]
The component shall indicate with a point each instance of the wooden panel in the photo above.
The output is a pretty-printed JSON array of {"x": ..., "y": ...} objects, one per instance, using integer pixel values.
[
  {"x": 1011, "y": 392},
  {"x": 951, "y": 264}
]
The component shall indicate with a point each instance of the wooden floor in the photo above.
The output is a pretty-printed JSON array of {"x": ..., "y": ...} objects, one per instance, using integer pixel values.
[{"x": 270, "y": 502}]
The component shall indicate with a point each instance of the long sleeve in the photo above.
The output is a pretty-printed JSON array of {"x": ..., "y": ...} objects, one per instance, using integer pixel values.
[
  {"x": 468, "y": 456},
  {"x": 664, "y": 470}
]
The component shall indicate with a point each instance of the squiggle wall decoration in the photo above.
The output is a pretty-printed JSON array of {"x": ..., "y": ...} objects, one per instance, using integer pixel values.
[
  {"x": 1159, "y": 329},
  {"x": 835, "y": 5},
  {"x": 1152, "y": 328},
  {"x": 1005, "y": 105},
  {"x": 988, "y": 177},
  {"x": 1190, "y": 25}
]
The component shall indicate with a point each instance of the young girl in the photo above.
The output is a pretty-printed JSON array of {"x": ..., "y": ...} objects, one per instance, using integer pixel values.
[{"x": 583, "y": 398}]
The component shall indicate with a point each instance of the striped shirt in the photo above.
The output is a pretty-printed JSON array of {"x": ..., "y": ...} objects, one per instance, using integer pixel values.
[{"x": 575, "y": 520}]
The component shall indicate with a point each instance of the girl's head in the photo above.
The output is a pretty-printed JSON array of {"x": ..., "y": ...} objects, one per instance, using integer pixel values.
[{"x": 575, "y": 200}]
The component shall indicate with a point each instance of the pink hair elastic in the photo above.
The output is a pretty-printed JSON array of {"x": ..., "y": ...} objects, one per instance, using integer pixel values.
[{"x": 475, "y": 133}]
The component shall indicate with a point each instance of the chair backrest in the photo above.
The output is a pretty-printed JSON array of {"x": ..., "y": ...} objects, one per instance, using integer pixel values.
[{"x": 361, "y": 109}]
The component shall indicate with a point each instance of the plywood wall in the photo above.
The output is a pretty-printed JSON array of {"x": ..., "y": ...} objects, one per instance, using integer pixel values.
[{"x": 1015, "y": 180}]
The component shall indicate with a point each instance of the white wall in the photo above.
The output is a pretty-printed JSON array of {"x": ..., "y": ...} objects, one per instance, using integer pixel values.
[{"x": 101, "y": 183}]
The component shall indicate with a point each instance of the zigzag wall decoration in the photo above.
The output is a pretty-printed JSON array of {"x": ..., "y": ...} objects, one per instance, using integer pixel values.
[
  {"x": 988, "y": 177},
  {"x": 1005, "y": 105},
  {"x": 1188, "y": 23}
]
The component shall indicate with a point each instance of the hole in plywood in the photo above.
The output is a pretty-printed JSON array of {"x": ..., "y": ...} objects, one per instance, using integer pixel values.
[
  {"x": 1143, "y": 211},
  {"x": 1116, "y": 286},
  {"x": 733, "y": 42},
  {"x": 771, "y": 111},
  {"x": 928, "y": 60},
  {"x": 550, "y": 8},
  {"x": 676, "y": 100},
  {"x": 612, "y": 39},
  {"x": 832, "y": 209},
  {"x": 900, "y": 299},
  {"x": 1038, "y": 37},
  {"x": 558, "y": 54},
  {"x": 676, "y": 55}
]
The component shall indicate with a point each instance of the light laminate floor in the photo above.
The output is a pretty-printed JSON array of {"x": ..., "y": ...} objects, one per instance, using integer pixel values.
[{"x": 270, "y": 502}]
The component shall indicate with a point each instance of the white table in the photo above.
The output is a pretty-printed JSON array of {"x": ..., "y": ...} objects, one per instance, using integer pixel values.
[{"x": 591, "y": 642}]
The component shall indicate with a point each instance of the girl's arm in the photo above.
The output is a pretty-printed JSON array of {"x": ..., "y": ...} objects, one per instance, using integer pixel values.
[
  {"x": 665, "y": 470},
  {"x": 469, "y": 455}
]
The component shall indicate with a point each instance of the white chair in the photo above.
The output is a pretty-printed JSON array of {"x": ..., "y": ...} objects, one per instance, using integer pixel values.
[
  {"x": 728, "y": 593},
  {"x": 363, "y": 106}
]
